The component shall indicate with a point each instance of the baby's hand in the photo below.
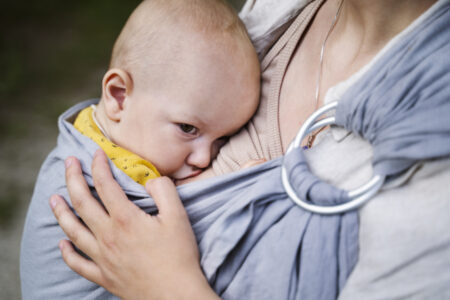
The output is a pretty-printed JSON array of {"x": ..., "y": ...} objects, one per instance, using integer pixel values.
[{"x": 252, "y": 163}]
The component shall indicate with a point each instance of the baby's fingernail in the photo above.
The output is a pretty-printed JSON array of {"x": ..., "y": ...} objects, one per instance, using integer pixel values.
[
  {"x": 53, "y": 201},
  {"x": 68, "y": 161},
  {"x": 61, "y": 245}
]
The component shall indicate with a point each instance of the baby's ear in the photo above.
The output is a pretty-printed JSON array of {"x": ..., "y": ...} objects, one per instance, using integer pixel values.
[{"x": 116, "y": 87}]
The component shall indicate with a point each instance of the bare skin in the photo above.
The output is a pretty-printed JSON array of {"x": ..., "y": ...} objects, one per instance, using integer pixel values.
[{"x": 358, "y": 36}]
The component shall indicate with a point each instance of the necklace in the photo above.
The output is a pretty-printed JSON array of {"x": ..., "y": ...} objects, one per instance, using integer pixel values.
[
  {"x": 312, "y": 136},
  {"x": 94, "y": 109}
]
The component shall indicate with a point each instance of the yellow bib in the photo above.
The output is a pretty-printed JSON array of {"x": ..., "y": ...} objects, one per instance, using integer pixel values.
[{"x": 131, "y": 164}]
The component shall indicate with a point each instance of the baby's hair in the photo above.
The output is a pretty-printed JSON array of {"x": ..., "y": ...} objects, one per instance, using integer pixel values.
[{"x": 147, "y": 30}]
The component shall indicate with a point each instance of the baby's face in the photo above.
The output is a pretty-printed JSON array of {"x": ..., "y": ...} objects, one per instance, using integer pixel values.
[{"x": 179, "y": 124}]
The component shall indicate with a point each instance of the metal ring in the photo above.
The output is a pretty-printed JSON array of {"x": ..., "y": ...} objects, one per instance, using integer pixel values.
[{"x": 357, "y": 197}]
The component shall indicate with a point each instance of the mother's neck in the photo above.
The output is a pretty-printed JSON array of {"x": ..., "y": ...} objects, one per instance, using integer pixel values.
[{"x": 374, "y": 22}]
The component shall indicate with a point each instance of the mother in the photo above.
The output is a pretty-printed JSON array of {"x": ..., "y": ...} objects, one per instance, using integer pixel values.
[{"x": 404, "y": 238}]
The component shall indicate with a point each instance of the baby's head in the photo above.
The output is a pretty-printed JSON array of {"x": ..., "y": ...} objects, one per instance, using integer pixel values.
[{"x": 183, "y": 76}]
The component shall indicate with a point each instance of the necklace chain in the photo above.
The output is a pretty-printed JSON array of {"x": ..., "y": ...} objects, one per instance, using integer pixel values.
[{"x": 312, "y": 136}]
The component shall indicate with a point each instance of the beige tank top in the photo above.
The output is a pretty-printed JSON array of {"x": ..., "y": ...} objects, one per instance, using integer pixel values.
[{"x": 261, "y": 137}]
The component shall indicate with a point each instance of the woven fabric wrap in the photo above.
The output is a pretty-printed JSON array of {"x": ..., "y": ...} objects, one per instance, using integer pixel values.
[{"x": 255, "y": 243}]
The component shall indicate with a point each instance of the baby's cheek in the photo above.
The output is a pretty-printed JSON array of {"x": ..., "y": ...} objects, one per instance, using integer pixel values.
[{"x": 169, "y": 163}]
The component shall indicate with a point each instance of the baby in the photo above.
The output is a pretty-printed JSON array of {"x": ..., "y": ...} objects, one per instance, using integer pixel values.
[{"x": 183, "y": 76}]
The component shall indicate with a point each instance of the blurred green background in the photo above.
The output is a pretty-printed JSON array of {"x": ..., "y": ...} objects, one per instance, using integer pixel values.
[{"x": 52, "y": 55}]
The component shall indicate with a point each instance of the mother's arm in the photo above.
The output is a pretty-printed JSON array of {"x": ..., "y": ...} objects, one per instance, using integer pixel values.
[{"x": 134, "y": 255}]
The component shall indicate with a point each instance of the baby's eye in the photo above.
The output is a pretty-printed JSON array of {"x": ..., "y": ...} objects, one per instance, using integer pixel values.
[{"x": 189, "y": 129}]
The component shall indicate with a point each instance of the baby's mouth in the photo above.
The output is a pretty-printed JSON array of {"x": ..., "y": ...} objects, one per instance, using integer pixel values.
[
  {"x": 181, "y": 180},
  {"x": 193, "y": 174}
]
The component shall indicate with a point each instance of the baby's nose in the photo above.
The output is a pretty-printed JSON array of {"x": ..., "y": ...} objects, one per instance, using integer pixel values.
[{"x": 200, "y": 157}]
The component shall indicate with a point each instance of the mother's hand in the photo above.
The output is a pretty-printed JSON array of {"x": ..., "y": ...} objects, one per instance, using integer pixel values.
[{"x": 134, "y": 255}]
